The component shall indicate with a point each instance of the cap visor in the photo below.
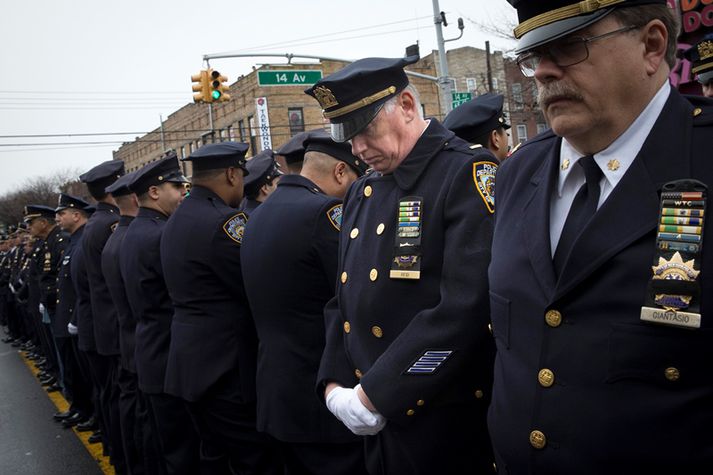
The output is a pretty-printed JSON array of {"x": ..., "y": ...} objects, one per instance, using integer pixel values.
[{"x": 356, "y": 122}]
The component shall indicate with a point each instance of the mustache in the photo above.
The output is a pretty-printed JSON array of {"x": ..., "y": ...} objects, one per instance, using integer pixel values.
[{"x": 546, "y": 93}]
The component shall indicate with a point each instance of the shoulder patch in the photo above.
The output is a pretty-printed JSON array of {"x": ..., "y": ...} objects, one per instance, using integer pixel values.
[
  {"x": 113, "y": 227},
  {"x": 234, "y": 227},
  {"x": 334, "y": 214},
  {"x": 484, "y": 178}
]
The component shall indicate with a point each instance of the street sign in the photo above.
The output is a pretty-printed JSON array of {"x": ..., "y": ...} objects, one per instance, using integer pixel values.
[
  {"x": 289, "y": 77},
  {"x": 460, "y": 98}
]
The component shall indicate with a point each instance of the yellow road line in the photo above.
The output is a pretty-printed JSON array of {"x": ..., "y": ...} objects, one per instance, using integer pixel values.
[{"x": 95, "y": 450}]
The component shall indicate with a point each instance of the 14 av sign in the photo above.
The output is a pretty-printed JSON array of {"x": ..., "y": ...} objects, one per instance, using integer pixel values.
[{"x": 288, "y": 77}]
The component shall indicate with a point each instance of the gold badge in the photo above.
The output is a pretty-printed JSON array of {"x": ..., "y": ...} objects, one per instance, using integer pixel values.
[
  {"x": 705, "y": 50},
  {"x": 325, "y": 97},
  {"x": 613, "y": 165}
]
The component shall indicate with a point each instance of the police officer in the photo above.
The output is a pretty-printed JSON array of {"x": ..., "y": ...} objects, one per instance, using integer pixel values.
[
  {"x": 598, "y": 304},
  {"x": 212, "y": 313},
  {"x": 408, "y": 353},
  {"x": 481, "y": 122},
  {"x": 159, "y": 187},
  {"x": 289, "y": 277},
  {"x": 140, "y": 449},
  {"x": 263, "y": 174},
  {"x": 71, "y": 217},
  {"x": 40, "y": 222},
  {"x": 106, "y": 360},
  {"x": 701, "y": 55}
]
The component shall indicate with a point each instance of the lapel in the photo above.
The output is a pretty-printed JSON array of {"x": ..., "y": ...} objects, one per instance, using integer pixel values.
[
  {"x": 536, "y": 219},
  {"x": 632, "y": 209}
]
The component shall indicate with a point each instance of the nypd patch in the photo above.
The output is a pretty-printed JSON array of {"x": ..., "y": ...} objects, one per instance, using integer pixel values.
[
  {"x": 234, "y": 227},
  {"x": 484, "y": 178},
  {"x": 429, "y": 362},
  {"x": 334, "y": 214}
]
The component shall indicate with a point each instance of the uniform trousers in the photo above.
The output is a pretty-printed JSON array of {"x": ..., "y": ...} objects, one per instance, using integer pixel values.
[
  {"x": 178, "y": 440},
  {"x": 323, "y": 458},
  {"x": 230, "y": 442},
  {"x": 449, "y": 440}
]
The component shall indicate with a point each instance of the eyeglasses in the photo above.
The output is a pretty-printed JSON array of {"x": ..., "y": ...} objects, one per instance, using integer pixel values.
[{"x": 568, "y": 52}]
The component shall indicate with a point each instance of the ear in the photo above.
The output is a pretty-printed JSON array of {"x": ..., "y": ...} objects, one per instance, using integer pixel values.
[
  {"x": 655, "y": 39},
  {"x": 409, "y": 105},
  {"x": 495, "y": 139}
]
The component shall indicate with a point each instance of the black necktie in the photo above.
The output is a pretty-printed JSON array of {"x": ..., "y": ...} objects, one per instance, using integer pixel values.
[{"x": 583, "y": 208}]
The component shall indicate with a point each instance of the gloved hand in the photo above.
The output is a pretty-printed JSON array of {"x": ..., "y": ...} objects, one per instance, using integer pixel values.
[
  {"x": 346, "y": 406},
  {"x": 72, "y": 329},
  {"x": 42, "y": 309}
]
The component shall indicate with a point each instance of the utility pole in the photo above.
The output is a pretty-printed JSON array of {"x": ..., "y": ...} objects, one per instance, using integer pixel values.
[{"x": 443, "y": 80}]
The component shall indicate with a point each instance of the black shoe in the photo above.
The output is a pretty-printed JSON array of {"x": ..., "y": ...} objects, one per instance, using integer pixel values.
[
  {"x": 88, "y": 425},
  {"x": 60, "y": 416},
  {"x": 95, "y": 438},
  {"x": 73, "y": 420},
  {"x": 53, "y": 388}
]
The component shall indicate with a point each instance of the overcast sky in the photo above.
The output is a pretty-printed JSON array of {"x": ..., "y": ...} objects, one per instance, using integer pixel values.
[{"x": 97, "y": 67}]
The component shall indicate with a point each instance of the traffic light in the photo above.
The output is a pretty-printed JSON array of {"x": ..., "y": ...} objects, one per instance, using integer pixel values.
[
  {"x": 217, "y": 88},
  {"x": 201, "y": 86}
]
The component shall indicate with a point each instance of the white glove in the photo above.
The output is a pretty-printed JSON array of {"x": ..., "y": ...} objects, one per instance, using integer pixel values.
[
  {"x": 72, "y": 329},
  {"x": 344, "y": 403},
  {"x": 42, "y": 309}
]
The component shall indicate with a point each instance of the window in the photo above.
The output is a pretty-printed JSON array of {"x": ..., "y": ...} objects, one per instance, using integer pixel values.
[
  {"x": 296, "y": 120},
  {"x": 253, "y": 135},
  {"x": 471, "y": 84},
  {"x": 516, "y": 89},
  {"x": 541, "y": 128},
  {"x": 241, "y": 130},
  {"x": 521, "y": 132}
]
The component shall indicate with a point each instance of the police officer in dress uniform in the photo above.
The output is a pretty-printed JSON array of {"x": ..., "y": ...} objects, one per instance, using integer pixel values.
[
  {"x": 261, "y": 180},
  {"x": 106, "y": 333},
  {"x": 408, "y": 355},
  {"x": 600, "y": 297},
  {"x": 140, "y": 449},
  {"x": 481, "y": 122},
  {"x": 40, "y": 222},
  {"x": 212, "y": 359},
  {"x": 71, "y": 217},
  {"x": 289, "y": 277},
  {"x": 159, "y": 187},
  {"x": 701, "y": 55}
]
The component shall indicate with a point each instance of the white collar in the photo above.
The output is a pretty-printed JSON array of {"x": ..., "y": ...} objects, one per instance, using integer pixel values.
[{"x": 616, "y": 159}]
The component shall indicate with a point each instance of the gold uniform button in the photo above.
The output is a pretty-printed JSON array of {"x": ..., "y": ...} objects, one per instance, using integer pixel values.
[
  {"x": 672, "y": 374},
  {"x": 344, "y": 277},
  {"x": 377, "y": 331},
  {"x": 546, "y": 377},
  {"x": 380, "y": 229},
  {"x": 347, "y": 327},
  {"x": 358, "y": 373},
  {"x": 479, "y": 394},
  {"x": 420, "y": 402},
  {"x": 538, "y": 439},
  {"x": 553, "y": 318},
  {"x": 354, "y": 233},
  {"x": 367, "y": 191},
  {"x": 410, "y": 412},
  {"x": 373, "y": 275}
]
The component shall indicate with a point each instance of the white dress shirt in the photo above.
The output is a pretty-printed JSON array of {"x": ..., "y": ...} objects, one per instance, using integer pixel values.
[{"x": 624, "y": 150}]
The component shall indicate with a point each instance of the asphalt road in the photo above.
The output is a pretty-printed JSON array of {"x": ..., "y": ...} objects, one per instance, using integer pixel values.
[{"x": 30, "y": 441}]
